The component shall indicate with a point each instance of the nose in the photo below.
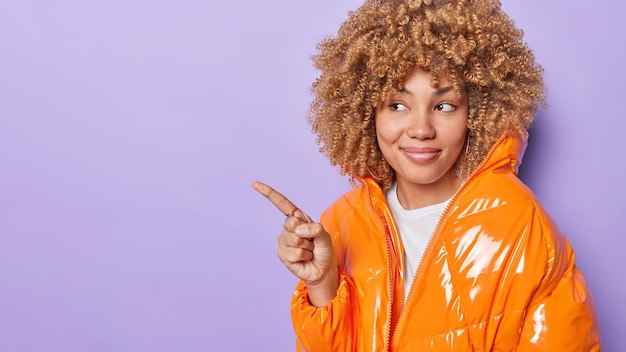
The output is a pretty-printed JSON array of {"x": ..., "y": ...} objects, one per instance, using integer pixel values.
[{"x": 421, "y": 126}]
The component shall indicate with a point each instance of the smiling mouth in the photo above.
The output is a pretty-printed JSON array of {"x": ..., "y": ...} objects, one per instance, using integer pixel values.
[{"x": 421, "y": 155}]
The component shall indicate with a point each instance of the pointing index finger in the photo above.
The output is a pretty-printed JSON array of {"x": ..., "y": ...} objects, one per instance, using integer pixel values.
[{"x": 280, "y": 201}]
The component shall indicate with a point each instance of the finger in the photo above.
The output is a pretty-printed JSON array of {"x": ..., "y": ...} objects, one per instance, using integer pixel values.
[
  {"x": 289, "y": 239},
  {"x": 290, "y": 256},
  {"x": 291, "y": 222},
  {"x": 314, "y": 232},
  {"x": 280, "y": 201}
]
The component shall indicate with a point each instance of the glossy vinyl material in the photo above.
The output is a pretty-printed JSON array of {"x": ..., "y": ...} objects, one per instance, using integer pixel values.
[{"x": 497, "y": 275}]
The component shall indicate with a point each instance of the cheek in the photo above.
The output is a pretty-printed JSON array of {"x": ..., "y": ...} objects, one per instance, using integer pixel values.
[
  {"x": 459, "y": 141},
  {"x": 462, "y": 135},
  {"x": 379, "y": 131},
  {"x": 384, "y": 139},
  {"x": 456, "y": 136},
  {"x": 386, "y": 133}
]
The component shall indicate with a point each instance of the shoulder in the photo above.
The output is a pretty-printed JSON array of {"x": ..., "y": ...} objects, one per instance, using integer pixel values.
[
  {"x": 501, "y": 185},
  {"x": 499, "y": 206},
  {"x": 358, "y": 203},
  {"x": 349, "y": 202}
]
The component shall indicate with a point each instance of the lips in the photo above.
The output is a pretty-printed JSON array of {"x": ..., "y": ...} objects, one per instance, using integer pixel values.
[{"x": 421, "y": 154}]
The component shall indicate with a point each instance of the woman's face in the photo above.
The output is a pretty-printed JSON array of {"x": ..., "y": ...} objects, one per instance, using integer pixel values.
[{"x": 421, "y": 133}]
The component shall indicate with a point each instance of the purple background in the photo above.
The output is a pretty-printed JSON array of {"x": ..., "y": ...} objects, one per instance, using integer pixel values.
[{"x": 130, "y": 132}]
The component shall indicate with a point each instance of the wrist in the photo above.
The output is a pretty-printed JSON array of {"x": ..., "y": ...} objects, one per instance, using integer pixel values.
[{"x": 321, "y": 292}]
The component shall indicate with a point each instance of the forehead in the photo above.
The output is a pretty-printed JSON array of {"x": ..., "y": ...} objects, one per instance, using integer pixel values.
[{"x": 420, "y": 77}]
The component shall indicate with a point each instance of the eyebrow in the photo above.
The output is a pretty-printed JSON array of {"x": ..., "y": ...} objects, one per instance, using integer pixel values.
[{"x": 436, "y": 93}]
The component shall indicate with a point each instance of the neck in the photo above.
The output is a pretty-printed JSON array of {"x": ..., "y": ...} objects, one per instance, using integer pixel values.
[{"x": 414, "y": 196}]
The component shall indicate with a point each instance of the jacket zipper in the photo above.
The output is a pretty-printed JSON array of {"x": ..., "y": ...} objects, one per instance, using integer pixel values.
[
  {"x": 419, "y": 273},
  {"x": 388, "y": 247}
]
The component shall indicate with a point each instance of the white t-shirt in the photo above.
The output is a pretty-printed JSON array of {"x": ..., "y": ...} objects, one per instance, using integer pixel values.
[{"x": 416, "y": 227}]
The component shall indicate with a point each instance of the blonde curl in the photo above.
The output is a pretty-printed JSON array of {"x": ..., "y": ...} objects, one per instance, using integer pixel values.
[{"x": 473, "y": 42}]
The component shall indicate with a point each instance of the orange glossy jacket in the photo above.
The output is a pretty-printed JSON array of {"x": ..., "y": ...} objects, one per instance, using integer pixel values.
[{"x": 497, "y": 275}]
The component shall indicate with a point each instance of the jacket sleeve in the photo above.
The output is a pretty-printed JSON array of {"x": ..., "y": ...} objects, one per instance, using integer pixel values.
[
  {"x": 334, "y": 327},
  {"x": 561, "y": 316},
  {"x": 329, "y": 328}
]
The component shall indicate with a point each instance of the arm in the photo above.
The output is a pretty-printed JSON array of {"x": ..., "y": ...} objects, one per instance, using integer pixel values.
[
  {"x": 305, "y": 248},
  {"x": 323, "y": 306},
  {"x": 562, "y": 316},
  {"x": 330, "y": 327},
  {"x": 532, "y": 297},
  {"x": 564, "y": 319}
]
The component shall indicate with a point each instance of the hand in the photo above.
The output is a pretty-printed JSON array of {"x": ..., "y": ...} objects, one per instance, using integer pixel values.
[{"x": 305, "y": 248}]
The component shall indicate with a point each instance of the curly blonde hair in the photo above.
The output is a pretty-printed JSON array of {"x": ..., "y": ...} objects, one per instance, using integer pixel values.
[{"x": 473, "y": 42}]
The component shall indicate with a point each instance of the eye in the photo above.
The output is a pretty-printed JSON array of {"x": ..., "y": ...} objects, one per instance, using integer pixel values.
[
  {"x": 445, "y": 107},
  {"x": 397, "y": 107}
]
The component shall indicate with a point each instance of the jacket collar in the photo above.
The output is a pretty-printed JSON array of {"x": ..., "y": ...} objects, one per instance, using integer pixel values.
[{"x": 507, "y": 152}]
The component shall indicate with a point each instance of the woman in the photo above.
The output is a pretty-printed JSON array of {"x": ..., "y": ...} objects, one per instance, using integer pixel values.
[{"x": 439, "y": 246}]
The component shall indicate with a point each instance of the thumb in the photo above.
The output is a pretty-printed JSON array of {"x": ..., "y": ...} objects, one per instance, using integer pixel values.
[{"x": 314, "y": 232}]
